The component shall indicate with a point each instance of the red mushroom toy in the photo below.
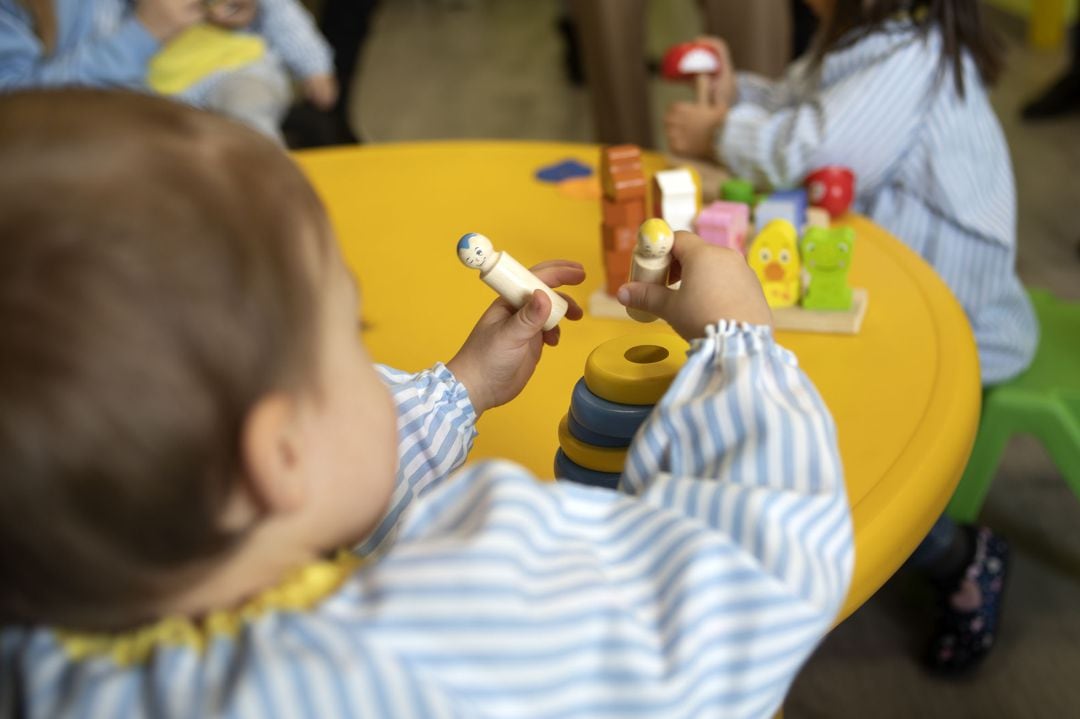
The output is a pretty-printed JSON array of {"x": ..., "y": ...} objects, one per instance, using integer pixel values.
[{"x": 692, "y": 59}]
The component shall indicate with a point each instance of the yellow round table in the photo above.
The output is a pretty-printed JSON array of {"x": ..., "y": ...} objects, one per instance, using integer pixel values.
[{"x": 904, "y": 392}]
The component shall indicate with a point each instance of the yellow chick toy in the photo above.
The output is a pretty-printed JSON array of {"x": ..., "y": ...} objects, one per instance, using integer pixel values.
[{"x": 774, "y": 258}]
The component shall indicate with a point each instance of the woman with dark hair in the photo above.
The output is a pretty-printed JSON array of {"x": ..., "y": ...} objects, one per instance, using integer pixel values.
[{"x": 896, "y": 90}]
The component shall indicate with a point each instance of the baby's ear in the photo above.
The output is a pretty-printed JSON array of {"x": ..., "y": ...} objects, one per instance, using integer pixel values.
[{"x": 271, "y": 448}]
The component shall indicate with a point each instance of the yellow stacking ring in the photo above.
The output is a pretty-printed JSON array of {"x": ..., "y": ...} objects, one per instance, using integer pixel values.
[
  {"x": 635, "y": 369},
  {"x": 589, "y": 456}
]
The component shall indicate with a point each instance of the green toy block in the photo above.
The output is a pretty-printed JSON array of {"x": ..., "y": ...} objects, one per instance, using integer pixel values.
[
  {"x": 826, "y": 256},
  {"x": 737, "y": 190}
]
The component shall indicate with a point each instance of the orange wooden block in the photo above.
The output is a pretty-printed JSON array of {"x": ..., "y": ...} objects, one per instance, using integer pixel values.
[
  {"x": 621, "y": 174},
  {"x": 619, "y": 238},
  {"x": 630, "y": 213},
  {"x": 616, "y": 269},
  {"x": 626, "y": 185}
]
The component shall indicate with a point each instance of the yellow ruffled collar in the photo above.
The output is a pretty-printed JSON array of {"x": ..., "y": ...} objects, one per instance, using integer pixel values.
[{"x": 301, "y": 590}]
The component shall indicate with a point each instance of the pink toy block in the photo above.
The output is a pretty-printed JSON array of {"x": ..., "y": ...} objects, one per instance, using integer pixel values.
[{"x": 725, "y": 224}]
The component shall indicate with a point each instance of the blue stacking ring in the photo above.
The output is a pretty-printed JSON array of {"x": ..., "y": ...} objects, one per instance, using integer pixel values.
[
  {"x": 600, "y": 416},
  {"x": 596, "y": 439},
  {"x": 565, "y": 468}
]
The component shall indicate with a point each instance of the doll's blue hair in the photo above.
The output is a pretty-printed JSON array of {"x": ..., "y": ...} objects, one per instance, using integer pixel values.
[{"x": 464, "y": 241}]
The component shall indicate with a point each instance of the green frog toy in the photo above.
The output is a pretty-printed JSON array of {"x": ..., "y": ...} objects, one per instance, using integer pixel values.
[{"x": 826, "y": 256}]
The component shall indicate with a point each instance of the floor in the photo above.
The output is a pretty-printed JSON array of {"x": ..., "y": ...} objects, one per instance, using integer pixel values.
[{"x": 493, "y": 69}]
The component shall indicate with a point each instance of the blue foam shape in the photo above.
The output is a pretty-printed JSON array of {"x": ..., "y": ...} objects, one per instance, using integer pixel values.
[
  {"x": 563, "y": 171},
  {"x": 607, "y": 418},
  {"x": 565, "y": 468},
  {"x": 594, "y": 438}
]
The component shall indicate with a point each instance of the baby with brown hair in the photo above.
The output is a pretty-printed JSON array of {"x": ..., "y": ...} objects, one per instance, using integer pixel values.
[{"x": 212, "y": 502}]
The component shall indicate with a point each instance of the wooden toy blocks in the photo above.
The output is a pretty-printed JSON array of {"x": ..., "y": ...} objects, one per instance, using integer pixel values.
[
  {"x": 623, "y": 210},
  {"x": 826, "y": 256},
  {"x": 725, "y": 224},
  {"x": 675, "y": 198},
  {"x": 774, "y": 258},
  {"x": 737, "y": 190},
  {"x": 831, "y": 187},
  {"x": 798, "y": 200},
  {"x": 817, "y": 217},
  {"x": 829, "y": 304},
  {"x": 777, "y": 208},
  {"x": 621, "y": 175}
]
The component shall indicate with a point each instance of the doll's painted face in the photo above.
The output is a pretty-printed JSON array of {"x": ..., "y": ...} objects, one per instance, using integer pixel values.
[
  {"x": 655, "y": 238},
  {"x": 231, "y": 14},
  {"x": 474, "y": 250}
]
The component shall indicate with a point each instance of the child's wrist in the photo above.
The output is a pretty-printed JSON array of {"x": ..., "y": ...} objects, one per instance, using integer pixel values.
[{"x": 464, "y": 373}]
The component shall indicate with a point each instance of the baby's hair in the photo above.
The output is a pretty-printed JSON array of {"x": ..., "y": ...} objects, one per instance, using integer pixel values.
[
  {"x": 157, "y": 277},
  {"x": 960, "y": 22}
]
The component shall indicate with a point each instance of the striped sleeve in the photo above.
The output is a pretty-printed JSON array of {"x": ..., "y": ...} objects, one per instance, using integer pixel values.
[
  {"x": 865, "y": 120},
  {"x": 754, "y": 89},
  {"x": 290, "y": 32},
  {"x": 118, "y": 59},
  {"x": 701, "y": 597},
  {"x": 436, "y": 429},
  {"x": 743, "y": 413}
]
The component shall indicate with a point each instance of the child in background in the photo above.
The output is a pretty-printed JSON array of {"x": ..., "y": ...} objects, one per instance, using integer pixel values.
[
  {"x": 895, "y": 90},
  {"x": 191, "y": 433},
  {"x": 232, "y": 63},
  {"x": 114, "y": 43}
]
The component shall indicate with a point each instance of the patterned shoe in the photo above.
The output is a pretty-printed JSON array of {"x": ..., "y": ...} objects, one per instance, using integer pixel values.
[{"x": 971, "y": 608}]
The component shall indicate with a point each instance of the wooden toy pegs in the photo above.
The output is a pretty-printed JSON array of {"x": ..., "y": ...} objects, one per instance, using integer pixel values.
[
  {"x": 652, "y": 259},
  {"x": 507, "y": 276}
]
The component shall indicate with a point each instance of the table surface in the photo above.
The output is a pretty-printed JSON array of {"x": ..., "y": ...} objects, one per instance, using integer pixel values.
[{"x": 904, "y": 392}]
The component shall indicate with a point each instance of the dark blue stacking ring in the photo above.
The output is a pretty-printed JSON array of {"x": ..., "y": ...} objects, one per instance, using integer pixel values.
[
  {"x": 565, "y": 468},
  {"x": 594, "y": 438},
  {"x": 610, "y": 419}
]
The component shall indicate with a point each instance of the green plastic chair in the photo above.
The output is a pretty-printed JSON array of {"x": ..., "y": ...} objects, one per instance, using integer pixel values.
[{"x": 1044, "y": 401}]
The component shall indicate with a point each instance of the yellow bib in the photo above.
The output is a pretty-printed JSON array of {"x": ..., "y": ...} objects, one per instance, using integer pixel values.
[{"x": 199, "y": 51}]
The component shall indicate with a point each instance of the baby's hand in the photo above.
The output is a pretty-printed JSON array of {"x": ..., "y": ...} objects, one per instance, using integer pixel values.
[
  {"x": 165, "y": 18},
  {"x": 501, "y": 352},
  {"x": 717, "y": 284},
  {"x": 321, "y": 91}
]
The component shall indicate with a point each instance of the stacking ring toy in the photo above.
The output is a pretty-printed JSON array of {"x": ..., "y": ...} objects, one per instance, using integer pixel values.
[
  {"x": 635, "y": 369},
  {"x": 601, "y": 459},
  {"x": 566, "y": 469},
  {"x": 607, "y": 418},
  {"x": 587, "y": 436}
]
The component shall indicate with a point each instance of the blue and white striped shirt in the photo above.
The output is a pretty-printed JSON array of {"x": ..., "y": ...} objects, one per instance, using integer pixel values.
[
  {"x": 100, "y": 43},
  {"x": 931, "y": 168},
  {"x": 698, "y": 590}
]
